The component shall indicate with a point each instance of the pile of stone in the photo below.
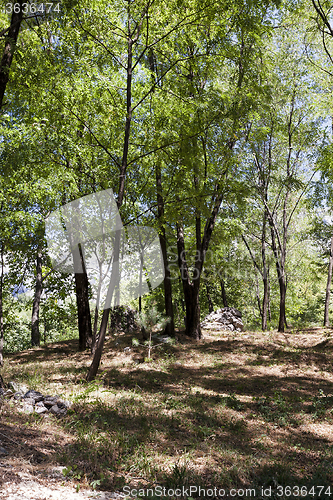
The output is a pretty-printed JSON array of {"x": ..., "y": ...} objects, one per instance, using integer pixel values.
[
  {"x": 227, "y": 318},
  {"x": 31, "y": 401}
]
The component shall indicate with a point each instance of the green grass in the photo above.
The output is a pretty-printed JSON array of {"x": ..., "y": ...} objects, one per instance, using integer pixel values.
[{"x": 197, "y": 414}]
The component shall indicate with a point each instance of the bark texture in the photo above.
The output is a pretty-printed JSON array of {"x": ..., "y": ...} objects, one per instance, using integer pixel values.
[
  {"x": 170, "y": 327},
  {"x": 10, "y": 44},
  {"x": 35, "y": 333},
  {"x": 1, "y": 305},
  {"x": 82, "y": 301},
  {"x": 328, "y": 286}
]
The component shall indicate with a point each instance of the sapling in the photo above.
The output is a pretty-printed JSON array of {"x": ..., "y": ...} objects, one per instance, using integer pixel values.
[{"x": 151, "y": 320}]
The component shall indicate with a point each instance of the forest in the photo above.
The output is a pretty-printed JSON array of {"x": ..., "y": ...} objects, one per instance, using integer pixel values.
[{"x": 210, "y": 125}]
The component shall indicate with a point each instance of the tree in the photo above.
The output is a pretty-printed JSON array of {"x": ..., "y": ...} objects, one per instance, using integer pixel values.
[{"x": 10, "y": 44}]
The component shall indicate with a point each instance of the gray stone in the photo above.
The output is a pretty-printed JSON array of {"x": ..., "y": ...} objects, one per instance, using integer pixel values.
[
  {"x": 50, "y": 401},
  {"x": 55, "y": 410},
  {"x": 27, "y": 408},
  {"x": 40, "y": 409},
  {"x": 23, "y": 388},
  {"x": 37, "y": 396},
  {"x": 18, "y": 396},
  {"x": 3, "y": 451},
  {"x": 58, "y": 411},
  {"x": 62, "y": 403},
  {"x": 226, "y": 318},
  {"x": 13, "y": 386},
  {"x": 29, "y": 401}
]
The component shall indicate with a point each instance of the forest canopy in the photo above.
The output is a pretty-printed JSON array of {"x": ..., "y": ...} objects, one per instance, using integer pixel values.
[{"x": 210, "y": 121}]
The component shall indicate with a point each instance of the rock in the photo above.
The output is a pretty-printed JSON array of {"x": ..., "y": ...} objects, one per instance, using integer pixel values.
[
  {"x": 37, "y": 396},
  {"x": 41, "y": 409},
  {"x": 227, "y": 318},
  {"x": 13, "y": 386},
  {"x": 23, "y": 388},
  {"x": 50, "y": 401},
  {"x": 29, "y": 401},
  {"x": 3, "y": 451},
  {"x": 34, "y": 401},
  {"x": 28, "y": 408},
  {"x": 62, "y": 403},
  {"x": 2, "y": 392},
  {"x": 58, "y": 411}
]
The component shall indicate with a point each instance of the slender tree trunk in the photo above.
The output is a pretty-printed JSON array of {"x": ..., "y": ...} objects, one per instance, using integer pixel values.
[
  {"x": 328, "y": 286},
  {"x": 35, "y": 333},
  {"x": 269, "y": 300},
  {"x": 1, "y": 306},
  {"x": 223, "y": 292},
  {"x": 258, "y": 296},
  {"x": 115, "y": 267},
  {"x": 264, "y": 272},
  {"x": 82, "y": 301},
  {"x": 98, "y": 297},
  {"x": 104, "y": 323},
  {"x": 282, "y": 314},
  {"x": 282, "y": 287},
  {"x": 170, "y": 327},
  {"x": 209, "y": 299},
  {"x": 9, "y": 49},
  {"x": 81, "y": 289},
  {"x": 265, "y": 300}
]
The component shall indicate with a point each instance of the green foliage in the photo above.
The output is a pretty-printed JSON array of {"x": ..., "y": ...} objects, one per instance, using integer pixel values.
[{"x": 212, "y": 85}]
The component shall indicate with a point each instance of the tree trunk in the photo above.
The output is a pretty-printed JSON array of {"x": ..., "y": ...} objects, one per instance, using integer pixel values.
[
  {"x": 104, "y": 323},
  {"x": 35, "y": 334},
  {"x": 209, "y": 299},
  {"x": 9, "y": 49},
  {"x": 282, "y": 314},
  {"x": 121, "y": 190},
  {"x": 82, "y": 301},
  {"x": 258, "y": 296},
  {"x": 264, "y": 270},
  {"x": 279, "y": 262},
  {"x": 170, "y": 327},
  {"x": 224, "y": 295},
  {"x": 269, "y": 298},
  {"x": 191, "y": 290},
  {"x": 328, "y": 286},
  {"x": 192, "y": 307},
  {"x": 265, "y": 300},
  {"x": 1, "y": 307}
]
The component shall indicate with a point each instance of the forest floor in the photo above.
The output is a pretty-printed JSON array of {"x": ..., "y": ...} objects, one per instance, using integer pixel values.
[{"x": 250, "y": 414}]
